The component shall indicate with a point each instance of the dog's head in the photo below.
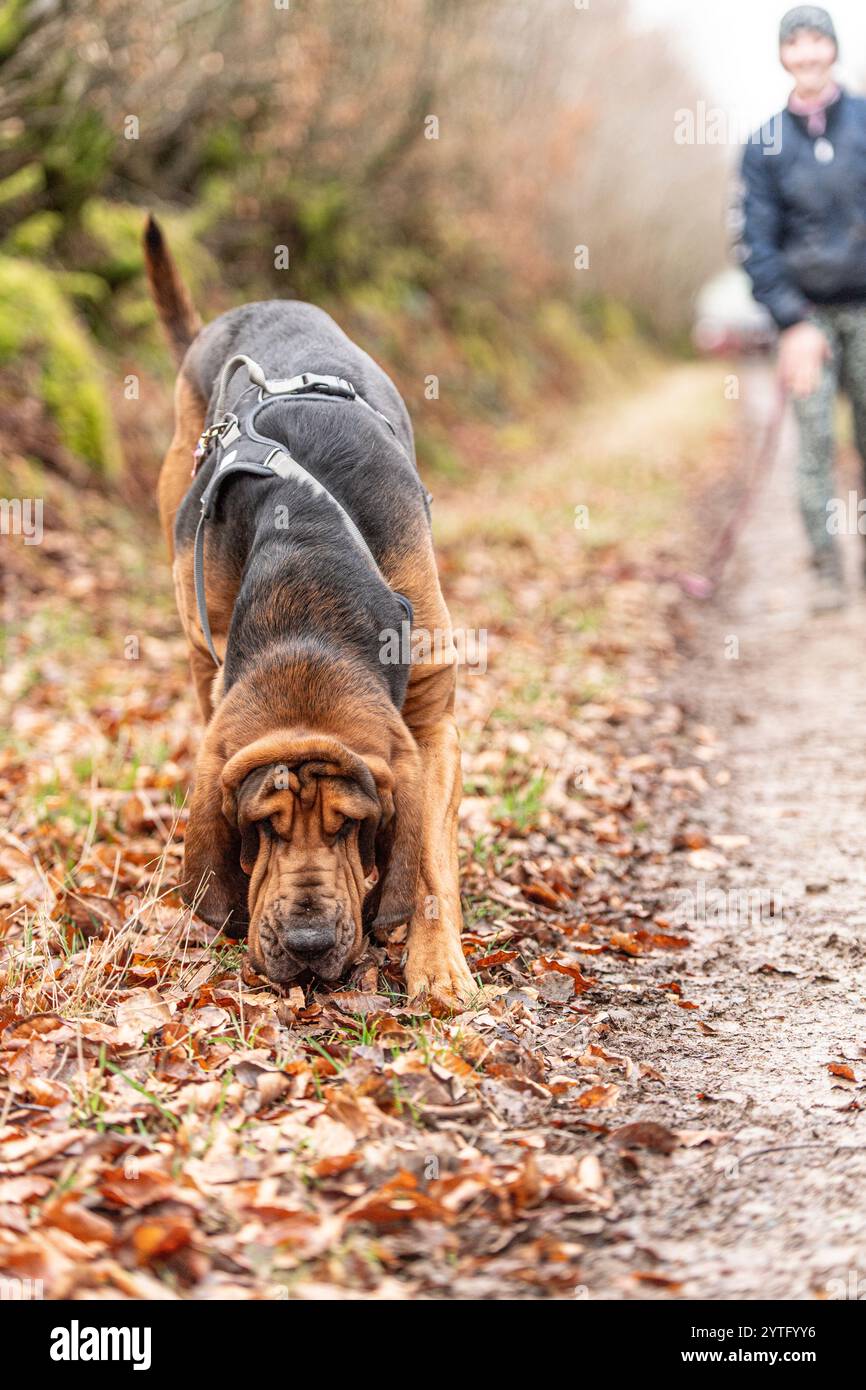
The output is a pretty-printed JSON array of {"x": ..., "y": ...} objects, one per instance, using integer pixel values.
[
  {"x": 308, "y": 827},
  {"x": 310, "y": 841}
]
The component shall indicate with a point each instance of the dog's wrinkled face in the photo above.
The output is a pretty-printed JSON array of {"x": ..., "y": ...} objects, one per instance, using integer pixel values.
[
  {"x": 298, "y": 841},
  {"x": 307, "y": 843}
]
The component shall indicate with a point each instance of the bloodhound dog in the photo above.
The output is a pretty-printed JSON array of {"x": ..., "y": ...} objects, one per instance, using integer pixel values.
[{"x": 328, "y": 780}]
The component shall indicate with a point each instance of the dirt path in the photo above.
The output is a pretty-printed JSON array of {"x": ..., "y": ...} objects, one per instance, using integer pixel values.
[{"x": 776, "y": 1209}]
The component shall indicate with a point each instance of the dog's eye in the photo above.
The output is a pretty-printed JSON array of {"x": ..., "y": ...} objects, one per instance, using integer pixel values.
[{"x": 345, "y": 829}]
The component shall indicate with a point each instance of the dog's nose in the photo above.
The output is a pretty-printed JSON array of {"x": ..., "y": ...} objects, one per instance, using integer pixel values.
[{"x": 307, "y": 939}]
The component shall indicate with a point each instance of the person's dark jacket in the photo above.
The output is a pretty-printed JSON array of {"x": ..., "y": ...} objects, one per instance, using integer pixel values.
[{"x": 804, "y": 218}]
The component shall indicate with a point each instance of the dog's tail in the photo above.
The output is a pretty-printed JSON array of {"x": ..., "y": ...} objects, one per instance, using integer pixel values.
[{"x": 174, "y": 304}]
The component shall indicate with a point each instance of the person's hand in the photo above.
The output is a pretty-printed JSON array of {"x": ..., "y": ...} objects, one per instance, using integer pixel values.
[{"x": 803, "y": 350}]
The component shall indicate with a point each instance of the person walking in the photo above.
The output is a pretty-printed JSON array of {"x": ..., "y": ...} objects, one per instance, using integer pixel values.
[{"x": 804, "y": 248}]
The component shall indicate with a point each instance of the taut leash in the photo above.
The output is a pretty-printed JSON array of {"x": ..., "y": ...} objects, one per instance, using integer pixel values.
[{"x": 703, "y": 586}]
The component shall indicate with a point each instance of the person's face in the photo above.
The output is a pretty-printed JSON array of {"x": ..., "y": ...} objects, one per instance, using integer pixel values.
[{"x": 809, "y": 57}]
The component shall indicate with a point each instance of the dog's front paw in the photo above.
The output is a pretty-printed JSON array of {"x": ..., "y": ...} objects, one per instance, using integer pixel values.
[{"x": 438, "y": 978}]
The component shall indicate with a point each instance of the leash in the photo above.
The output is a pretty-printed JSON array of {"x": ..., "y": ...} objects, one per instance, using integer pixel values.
[
  {"x": 241, "y": 449},
  {"x": 703, "y": 586}
]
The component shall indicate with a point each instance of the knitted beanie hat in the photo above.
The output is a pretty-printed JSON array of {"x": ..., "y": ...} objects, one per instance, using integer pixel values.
[{"x": 806, "y": 17}]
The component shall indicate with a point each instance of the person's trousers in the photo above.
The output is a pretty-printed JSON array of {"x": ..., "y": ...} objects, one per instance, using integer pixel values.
[{"x": 845, "y": 329}]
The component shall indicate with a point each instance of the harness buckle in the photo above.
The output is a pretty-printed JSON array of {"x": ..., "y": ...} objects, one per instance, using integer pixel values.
[
  {"x": 309, "y": 383},
  {"x": 328, "y": 385}
]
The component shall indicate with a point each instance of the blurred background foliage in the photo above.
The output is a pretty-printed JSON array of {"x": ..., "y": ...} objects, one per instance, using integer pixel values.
[{"x": 249, "y": 125}]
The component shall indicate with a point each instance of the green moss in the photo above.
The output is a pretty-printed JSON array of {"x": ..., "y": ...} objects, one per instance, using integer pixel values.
[
  {"x": 115, "y": 230},
  {"x": 322, "y": 212},
  {"x": 34, "y": 236},
  {"x": 618, "y": 322},
  {"x": 225, "y": 146},
  {"x": 559, "y": 326},
  {"x": 609, "y": 320},
  {"x": 39, "y": 328},
  {"x": 481, "y": 354},
  {"x": 88, "y": 290},
  {"x": 124, "y": 316},
  {"x": 13, "y": 21},
  {"x": 77, "y": 158},
  {"x": 22, "y": 182}
]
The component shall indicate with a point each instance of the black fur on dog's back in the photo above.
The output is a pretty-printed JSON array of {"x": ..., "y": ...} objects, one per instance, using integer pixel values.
[
  {"x": 287, "y": 336},
  {"x": 305, "y": 579}
]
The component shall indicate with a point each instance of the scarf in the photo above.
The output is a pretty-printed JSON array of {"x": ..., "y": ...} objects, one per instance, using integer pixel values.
[{"x": 815, "y": 109}]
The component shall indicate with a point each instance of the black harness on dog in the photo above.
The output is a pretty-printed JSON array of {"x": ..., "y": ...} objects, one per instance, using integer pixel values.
[{"x": 241, "y": 449}]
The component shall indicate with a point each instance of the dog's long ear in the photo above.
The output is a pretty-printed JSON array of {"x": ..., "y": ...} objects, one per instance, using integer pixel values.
[
  {"x": 213, "y": 880},
  {"x": 398, "y": 843},
  {"x": 375, "y": 845},
  {"x": 368, "y": 845},
  {"x": 250, "y": 806}
]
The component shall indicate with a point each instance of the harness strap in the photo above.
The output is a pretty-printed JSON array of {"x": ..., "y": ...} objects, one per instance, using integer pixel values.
[
  {"x": 306, "y": 384},
  {"x": 229, "y": 430},
  {"x": 227, "y": 466}
]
